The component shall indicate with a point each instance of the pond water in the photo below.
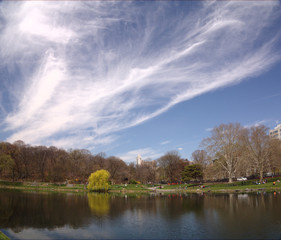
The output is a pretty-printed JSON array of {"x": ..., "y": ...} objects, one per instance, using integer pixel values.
[{"x": 28, "y": 215}]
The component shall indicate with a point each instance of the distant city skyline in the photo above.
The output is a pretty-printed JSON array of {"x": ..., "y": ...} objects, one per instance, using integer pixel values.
[{"x": 136, "y": 77}]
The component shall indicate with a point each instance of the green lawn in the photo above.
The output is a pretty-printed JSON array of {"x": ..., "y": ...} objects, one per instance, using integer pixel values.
[
  {"x": 136, "y": 187},
  {"x": 243, "y": 186},
  {"x": 41, "y": 186},
  {"x": 240, "y": 186},
  {"x": 180, "y": 186}
]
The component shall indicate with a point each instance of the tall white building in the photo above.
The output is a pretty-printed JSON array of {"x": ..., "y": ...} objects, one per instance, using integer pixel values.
[
  {"x": 139, "y": 160},
  {"x": 276, "y": 132}
]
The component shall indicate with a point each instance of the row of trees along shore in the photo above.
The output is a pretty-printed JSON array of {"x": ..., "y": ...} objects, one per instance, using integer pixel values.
[{"x": 231, "y": 151}]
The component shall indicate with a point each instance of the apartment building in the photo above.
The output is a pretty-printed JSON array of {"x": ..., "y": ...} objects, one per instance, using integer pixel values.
[{"x": 276, "y": 132}]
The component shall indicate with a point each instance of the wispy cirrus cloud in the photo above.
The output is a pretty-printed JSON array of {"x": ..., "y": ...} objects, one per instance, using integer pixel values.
[
  {"x": 208, "y": 129},
  {"x": 165, "y": 142},
  {"x": 146, "y": 153},
  {"x": 85, "y": 70},
  {"x": 258, "y": 123}
]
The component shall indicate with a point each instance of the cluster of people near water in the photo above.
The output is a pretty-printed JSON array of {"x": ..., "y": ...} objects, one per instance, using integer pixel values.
[{"x": 265, "y": 181}]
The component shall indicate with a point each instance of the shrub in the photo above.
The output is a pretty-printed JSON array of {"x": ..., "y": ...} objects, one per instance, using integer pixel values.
[{"x": 133, "y": 182}]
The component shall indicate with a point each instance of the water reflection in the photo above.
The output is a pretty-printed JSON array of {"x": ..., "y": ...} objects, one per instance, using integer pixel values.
[
  {"x": 99, "y": 203},
  {"x": 68, "y": 216},
  {"x": 242, "y": 215},
  {"x": 24, "y": 210}
]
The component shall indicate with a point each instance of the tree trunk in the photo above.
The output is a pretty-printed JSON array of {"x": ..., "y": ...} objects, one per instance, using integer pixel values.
[
  {"x": 261, "y": 175},
  {"x": 230, "y": 176}
]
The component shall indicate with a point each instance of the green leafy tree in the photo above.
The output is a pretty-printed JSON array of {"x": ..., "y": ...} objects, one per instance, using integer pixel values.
[
  {"x": 6, "y": 163},
  {"x": 193, "y": 171},
  {"x": 98, "y": 181}
]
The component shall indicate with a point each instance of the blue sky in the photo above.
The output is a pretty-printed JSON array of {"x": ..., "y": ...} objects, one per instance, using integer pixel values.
[{"x": 128, "y": 78}]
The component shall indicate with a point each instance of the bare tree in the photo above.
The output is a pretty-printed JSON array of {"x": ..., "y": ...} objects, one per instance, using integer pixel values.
[
  {"x": 23, "y": 157},
  {"x": 59, "y": 167},
  {"x": 275, "y": 145},
  {"x": 41, "y": 156},
  {"x": 225, "y": 146},
  {"x": 99, "y": 161},
  {"x": 132, "y": 171},
  {"x": 213, "y": 172},
  {"x": 171, "y": 165},
  {"x": 200, "y": 157},
  {"x": 259, "y": 149},
  {"x": 117, "y": 168},
  {"x": 147, "y": 172}
]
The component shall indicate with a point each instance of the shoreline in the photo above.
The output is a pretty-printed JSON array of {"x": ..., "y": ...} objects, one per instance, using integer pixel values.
[{"x": 148, "y": 190}]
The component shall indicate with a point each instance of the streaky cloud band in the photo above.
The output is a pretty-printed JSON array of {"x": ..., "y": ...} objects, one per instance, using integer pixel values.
[{"x": 107, "y": 66}]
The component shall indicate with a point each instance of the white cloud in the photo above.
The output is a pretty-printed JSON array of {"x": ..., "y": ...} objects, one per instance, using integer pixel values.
[
  {"x": 87, "y": 142},
  {"x": 257, "y": 123},
  {"x": 107, "y": 66},
  {"x": 165, "y": 142},
  {"x": 146, "y": 153},
  {"x": 35, "y": 22}
]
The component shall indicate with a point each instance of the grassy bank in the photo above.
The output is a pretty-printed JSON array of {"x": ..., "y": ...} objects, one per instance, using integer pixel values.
[
  {"x": 35, "y": 186},
  {"x": 3, "y": 236},
  {"x": 245, "y": 186}
]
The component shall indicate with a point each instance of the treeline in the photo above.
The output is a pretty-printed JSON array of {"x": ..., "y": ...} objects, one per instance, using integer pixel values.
[
  {"x": 23, "y": 162},
  {"x": 231, "y": 151}
]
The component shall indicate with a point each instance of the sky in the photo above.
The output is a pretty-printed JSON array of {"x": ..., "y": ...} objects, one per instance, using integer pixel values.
[{"x": 136, "y": 77}]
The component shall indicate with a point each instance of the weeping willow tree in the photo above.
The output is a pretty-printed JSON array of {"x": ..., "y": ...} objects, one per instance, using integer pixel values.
[{"x": 98, "y": 181}]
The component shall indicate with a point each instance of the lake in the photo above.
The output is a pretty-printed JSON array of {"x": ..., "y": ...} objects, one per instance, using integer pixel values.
[{"x": 31, "y": 215}]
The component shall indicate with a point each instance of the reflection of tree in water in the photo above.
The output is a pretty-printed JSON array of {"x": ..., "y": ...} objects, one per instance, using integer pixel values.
[
  {"x": 5, "y": 212},
  {"x": 99, "y": 203},
  {"x": 241, "y": 211},
  {"x": 169, "y": 206},
  {"x": 42, "y": 210},
  {"x": 20, "y": 210},
  {"x": 175, "y": 205}
]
